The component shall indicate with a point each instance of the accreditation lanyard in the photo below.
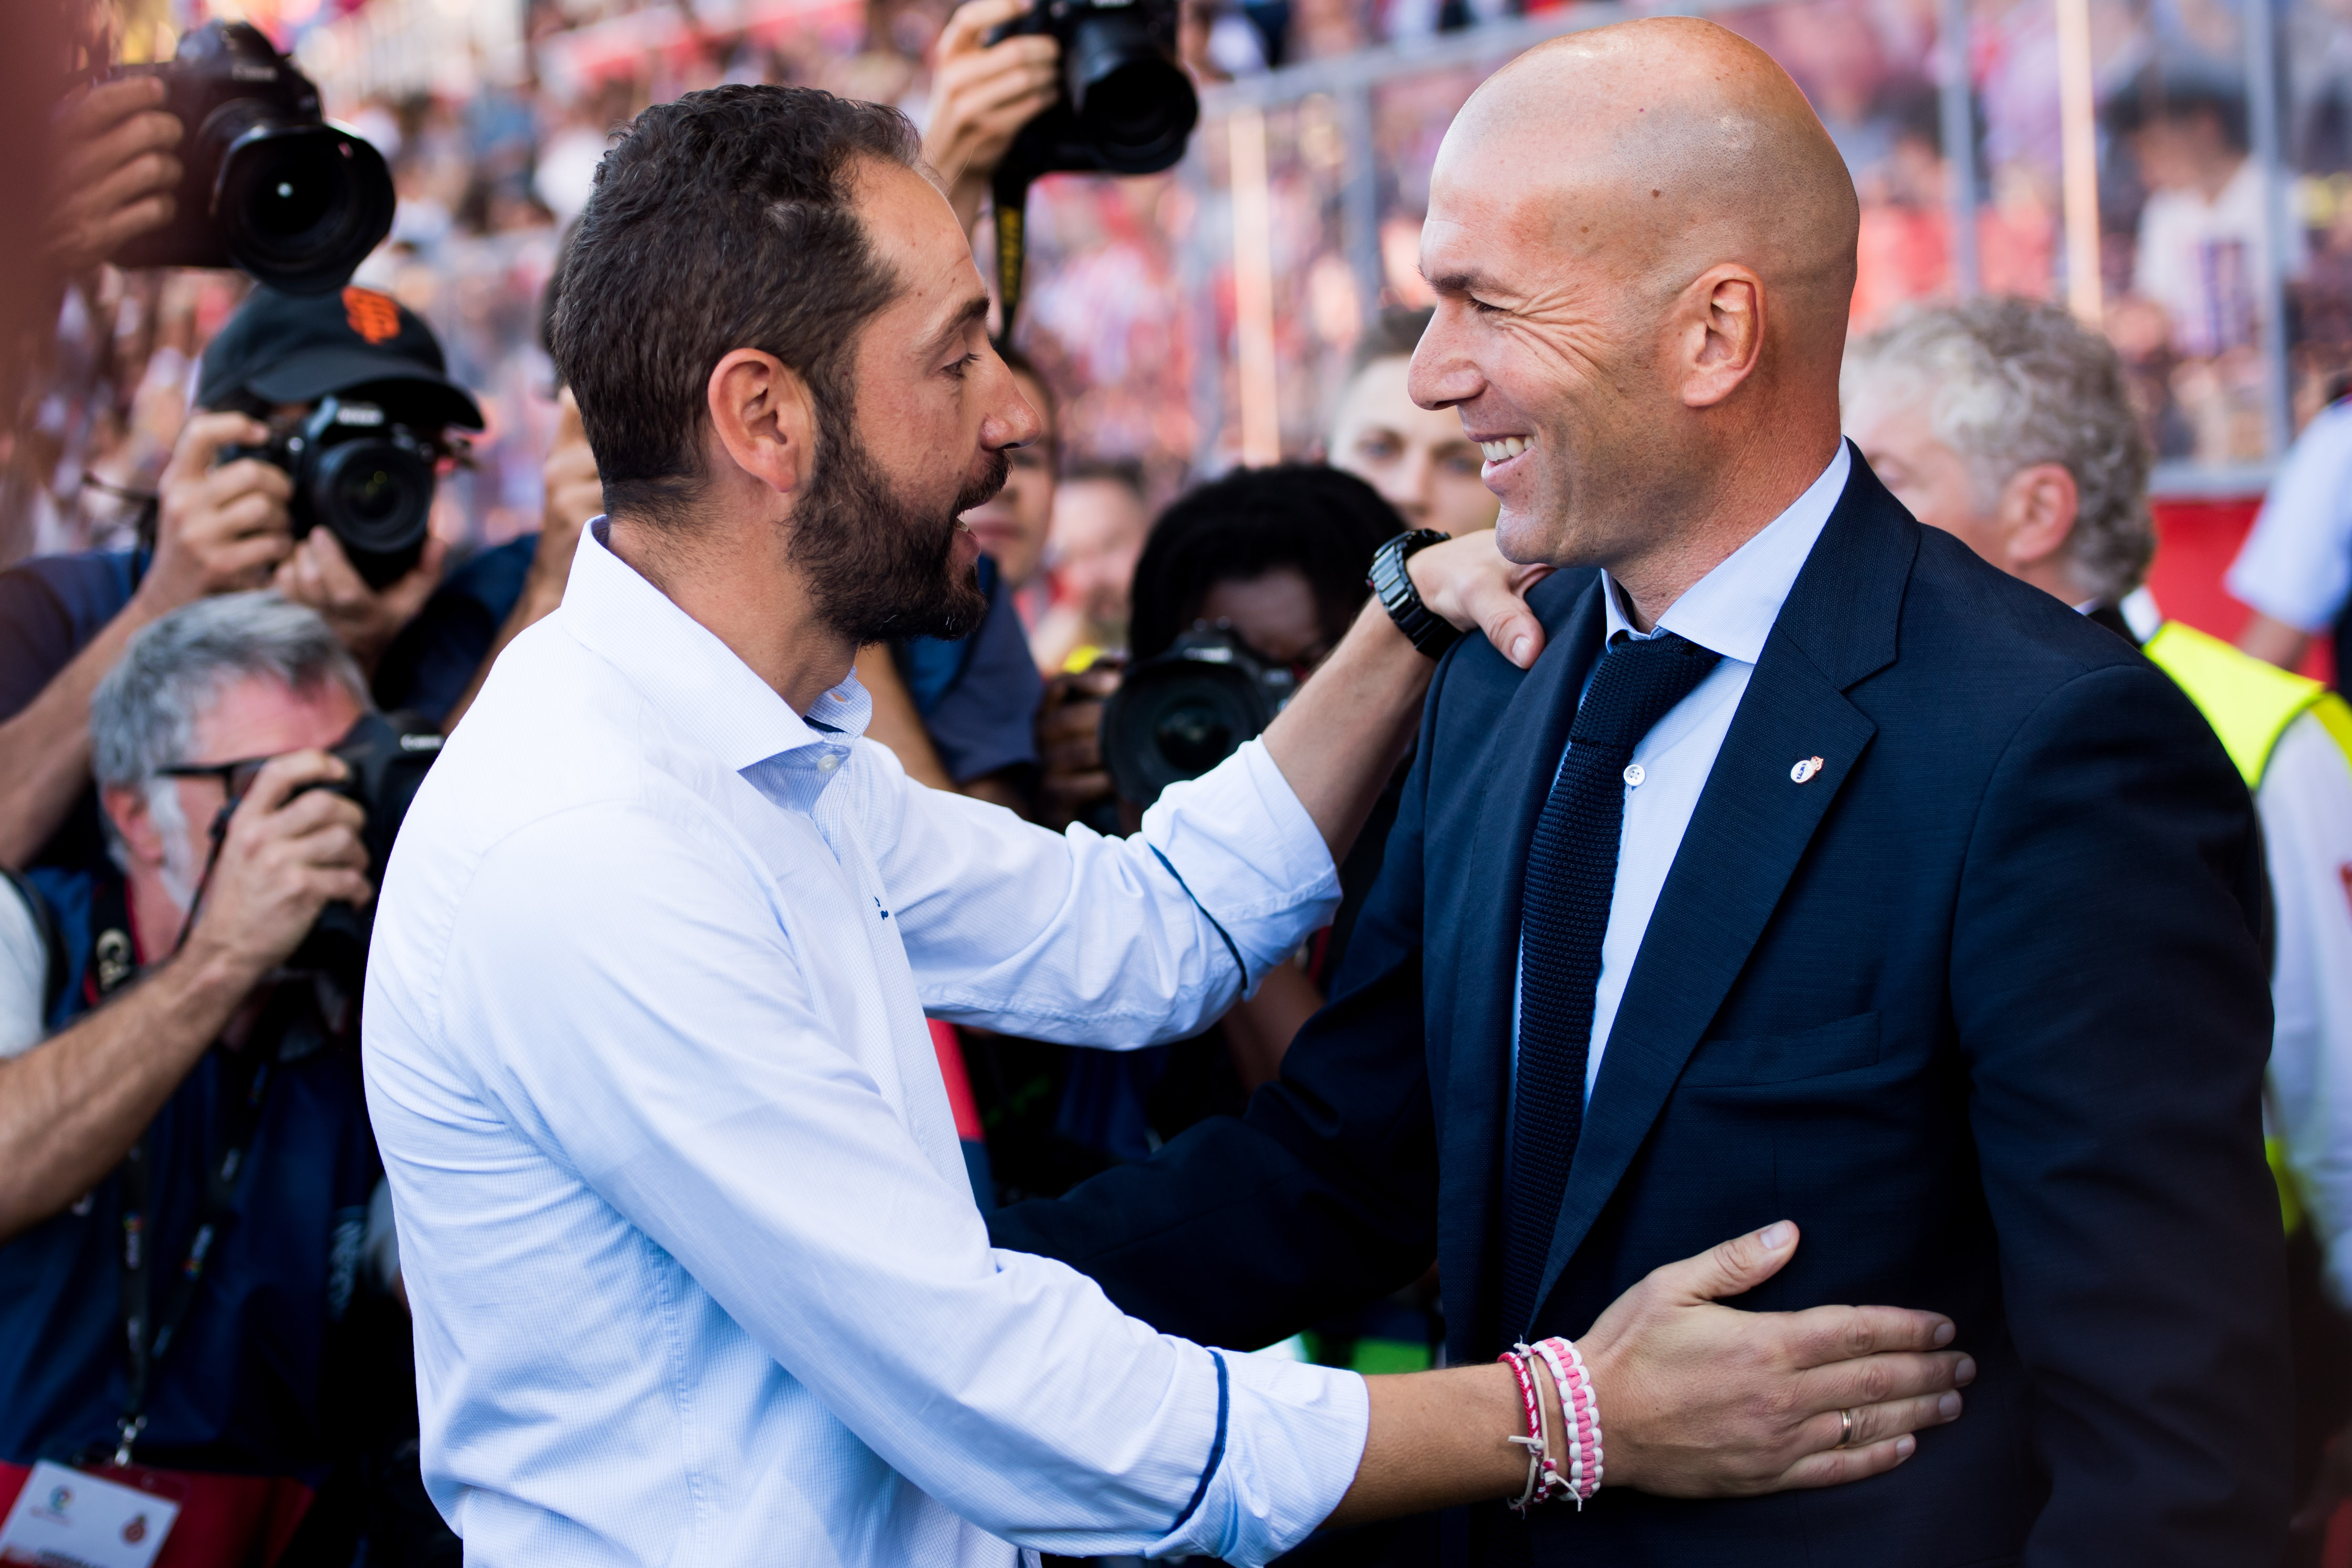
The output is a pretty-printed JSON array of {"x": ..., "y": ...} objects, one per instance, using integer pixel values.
[{"x": 147, "y": 1336}]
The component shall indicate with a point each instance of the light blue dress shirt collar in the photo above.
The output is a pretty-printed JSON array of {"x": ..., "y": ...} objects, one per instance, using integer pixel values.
[
  {"x": 1732, "y": 608},
  {"x": 690, "y": 675},
  {"x": 1731, "y": 611}
]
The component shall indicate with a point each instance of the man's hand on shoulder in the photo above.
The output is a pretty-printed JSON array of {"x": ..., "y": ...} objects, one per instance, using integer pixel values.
[
  {"x": 1470, "y": 582},
  {"x": 1703, "y": 1400}
]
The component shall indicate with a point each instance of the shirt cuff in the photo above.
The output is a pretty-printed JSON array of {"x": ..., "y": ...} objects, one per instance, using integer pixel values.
[
  {"x": 1249, "y": 855},
  {"x": 1292, "y": 1440}
]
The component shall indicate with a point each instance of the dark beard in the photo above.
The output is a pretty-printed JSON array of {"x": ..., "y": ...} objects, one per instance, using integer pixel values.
[{"x": 878, "y": 567}]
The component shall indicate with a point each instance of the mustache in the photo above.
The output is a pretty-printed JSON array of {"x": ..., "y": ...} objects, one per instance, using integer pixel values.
[{"x": 981, "y": 490}]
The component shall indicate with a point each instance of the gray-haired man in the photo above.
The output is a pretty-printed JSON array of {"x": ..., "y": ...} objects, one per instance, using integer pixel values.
[
  {"x": 2005, "y": 423},
  {"x": 185, "y": 1163}
]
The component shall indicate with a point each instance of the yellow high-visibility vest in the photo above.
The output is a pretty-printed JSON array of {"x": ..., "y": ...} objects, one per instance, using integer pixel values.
[{"x": 2249, "y": 703}]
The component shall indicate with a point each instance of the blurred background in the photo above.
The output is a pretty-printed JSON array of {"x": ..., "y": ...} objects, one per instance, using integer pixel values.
[{"x": 2179, "y": 171}]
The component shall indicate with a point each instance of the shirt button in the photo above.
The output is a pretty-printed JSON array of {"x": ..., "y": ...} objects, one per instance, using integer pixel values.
[
  {"x": 827, "y": 762},
  {"x": 1634, "y": 775}
]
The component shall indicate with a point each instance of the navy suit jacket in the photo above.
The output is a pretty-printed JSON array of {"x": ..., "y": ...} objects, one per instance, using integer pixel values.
[{"x": 1981, "y": 1005}]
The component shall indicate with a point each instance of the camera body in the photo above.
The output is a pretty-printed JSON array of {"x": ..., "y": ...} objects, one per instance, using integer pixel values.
[
  {"x": 362, "y": 475},
  {"x": 388, "y": 755},
  {"x": 268, "y": 185},
  {"x": 1127, "y": 107},
  {"x": 1181, "y": 713}
]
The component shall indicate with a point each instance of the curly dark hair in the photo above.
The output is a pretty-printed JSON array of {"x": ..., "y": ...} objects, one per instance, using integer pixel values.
[
  {"x": 1319, "y": 521},
  {"x": 721, "y": 221}
]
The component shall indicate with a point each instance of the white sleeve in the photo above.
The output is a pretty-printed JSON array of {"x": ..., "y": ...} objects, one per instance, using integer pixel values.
[
  {"x": 1103, "y": 941},
  {"x": 23, "y": 971},
  {"x": 2305, "y": 803},
  {"x": 692, "y": 1079},
  {"x": 2296, "y": 564}
]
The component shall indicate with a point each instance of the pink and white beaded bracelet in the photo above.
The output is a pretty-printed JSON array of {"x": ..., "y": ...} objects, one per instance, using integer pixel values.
[{"x": 1581, "y": 1409}]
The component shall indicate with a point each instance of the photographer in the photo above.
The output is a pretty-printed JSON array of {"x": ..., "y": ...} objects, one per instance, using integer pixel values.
[
  {"x": 221, "y": 526},
  {"x": 1274, "y": 559},
  {"x": 185, "y": 1161}
]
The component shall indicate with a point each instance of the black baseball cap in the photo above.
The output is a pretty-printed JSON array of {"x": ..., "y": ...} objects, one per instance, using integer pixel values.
[{"x": 297, "y": 348}]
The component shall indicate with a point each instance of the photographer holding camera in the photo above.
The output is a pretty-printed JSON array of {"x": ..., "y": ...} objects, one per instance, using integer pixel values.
[
  {"x": 186, "y": 1169},
  {"x": 310, "y": 468}
]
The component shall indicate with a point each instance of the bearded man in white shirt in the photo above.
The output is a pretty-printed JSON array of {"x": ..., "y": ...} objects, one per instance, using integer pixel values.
[{"x": 696, "y": 1270}]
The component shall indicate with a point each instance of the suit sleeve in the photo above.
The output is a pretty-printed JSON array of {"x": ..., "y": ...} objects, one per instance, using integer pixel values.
[
  {"x": 1323, "y": 1195},
  {"x": 2109, "y": 995}
]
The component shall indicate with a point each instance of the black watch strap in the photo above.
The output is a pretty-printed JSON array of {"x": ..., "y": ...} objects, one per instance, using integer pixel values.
[{"x": 1431, "y": 633}]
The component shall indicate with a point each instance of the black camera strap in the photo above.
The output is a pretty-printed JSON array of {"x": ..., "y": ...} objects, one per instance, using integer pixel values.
[
  {"x": 146, "y": 1335},
  {"x": 245, "y": 1085}
]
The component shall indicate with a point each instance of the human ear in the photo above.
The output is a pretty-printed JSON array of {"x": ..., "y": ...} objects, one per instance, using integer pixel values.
[
  {"x": 763, "y": 417},
  {"x": 126, "y": 807},
  {"x": 2037, "y": 512},
  {"x": 1723, "y": 334}
]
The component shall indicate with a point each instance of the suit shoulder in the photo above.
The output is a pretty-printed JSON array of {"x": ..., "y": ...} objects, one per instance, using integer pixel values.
[{"x": 1957, "y": 600}]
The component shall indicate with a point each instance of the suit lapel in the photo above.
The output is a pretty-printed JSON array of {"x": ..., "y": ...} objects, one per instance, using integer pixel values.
[
  {"x": 1747, "y": 833},
  {"x": 1483, "y": 957}
]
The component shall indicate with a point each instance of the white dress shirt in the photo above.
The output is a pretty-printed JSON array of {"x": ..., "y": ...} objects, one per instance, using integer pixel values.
[
  {"x": 697, "y": 1272},
  {"x": 1729, "y": 611},
  {"x": 2296, "y": 563}
]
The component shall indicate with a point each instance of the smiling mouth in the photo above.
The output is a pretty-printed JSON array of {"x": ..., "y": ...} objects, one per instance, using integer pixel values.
[{"x": 1503, "y": 448}]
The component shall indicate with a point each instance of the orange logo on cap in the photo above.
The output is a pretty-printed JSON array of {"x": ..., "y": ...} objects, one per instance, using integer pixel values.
[{"x": 373, "y": 316}]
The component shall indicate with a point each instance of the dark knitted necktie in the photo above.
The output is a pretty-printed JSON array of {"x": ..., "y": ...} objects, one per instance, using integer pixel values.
[{"x": 1572, "y": 875}]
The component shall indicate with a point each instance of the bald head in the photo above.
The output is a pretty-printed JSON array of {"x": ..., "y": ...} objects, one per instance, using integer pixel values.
[
  {"x": 1674, "y": 143},
  {"x": 1642, "y": 244}
]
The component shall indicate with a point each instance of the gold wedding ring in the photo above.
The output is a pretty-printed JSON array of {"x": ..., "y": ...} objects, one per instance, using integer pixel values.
[{"x": 1848, "y": 1421}]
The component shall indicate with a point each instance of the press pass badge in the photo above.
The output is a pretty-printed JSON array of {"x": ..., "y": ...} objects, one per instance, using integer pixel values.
[{"x": 69, "y": 1519}]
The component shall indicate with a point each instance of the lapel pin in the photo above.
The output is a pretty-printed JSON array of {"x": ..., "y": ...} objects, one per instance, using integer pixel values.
[{"x": 1804, "y": 772}]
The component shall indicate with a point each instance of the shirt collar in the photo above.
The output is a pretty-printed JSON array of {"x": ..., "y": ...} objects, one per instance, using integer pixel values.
[
  {"x": 682, "y": 667},
  {"x": 1730, "y": 611}
]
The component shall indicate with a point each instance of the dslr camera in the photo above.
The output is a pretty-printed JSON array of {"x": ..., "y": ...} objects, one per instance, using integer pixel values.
[
  {"x": 361, "y": 474},
  {"x": 1126, "y": 108},
  {"x": 387, "y": 756},
  {"x": 1181, "y": 713},
  {"x": 270, "y": 186}
]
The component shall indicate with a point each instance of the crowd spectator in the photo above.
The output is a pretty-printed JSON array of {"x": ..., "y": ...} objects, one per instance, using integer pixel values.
[
  {"x": 2204, "y": 242},
  {"x": 1099, "y": 521},
  {"x": 1012, "y": 526},
  {"x": 188, "y": 1185},
  {"x": 2006, "y": 423},
  {"x": 1275, "y": 556},
  {"x": 1418, "y": 459}
]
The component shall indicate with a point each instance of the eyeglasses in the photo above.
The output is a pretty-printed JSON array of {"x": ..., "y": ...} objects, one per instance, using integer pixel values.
[{"x": 234, "y": 777}]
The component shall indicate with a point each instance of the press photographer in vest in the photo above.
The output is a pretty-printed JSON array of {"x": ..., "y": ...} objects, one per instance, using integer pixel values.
[{"x": 187, "y": 1170}]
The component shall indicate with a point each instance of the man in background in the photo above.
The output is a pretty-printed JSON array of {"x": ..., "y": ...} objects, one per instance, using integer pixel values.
[
  {"x": 2204, "y": 240},
  {"x": 2005, "y": 423},
  {"x": 1418, "y": 459}
]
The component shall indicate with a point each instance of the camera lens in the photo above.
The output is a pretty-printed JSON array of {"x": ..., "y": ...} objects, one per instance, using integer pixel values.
[
  {"x": 376, "y": 497},
  {"x": 1194, "y": 737},
  {"x": 300, "y": 207},
  {"x": 1132, "y": 100}
]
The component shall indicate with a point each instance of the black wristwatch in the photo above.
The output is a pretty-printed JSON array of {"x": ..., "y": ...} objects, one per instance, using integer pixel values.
[{"x": 1431, "y": 633}]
